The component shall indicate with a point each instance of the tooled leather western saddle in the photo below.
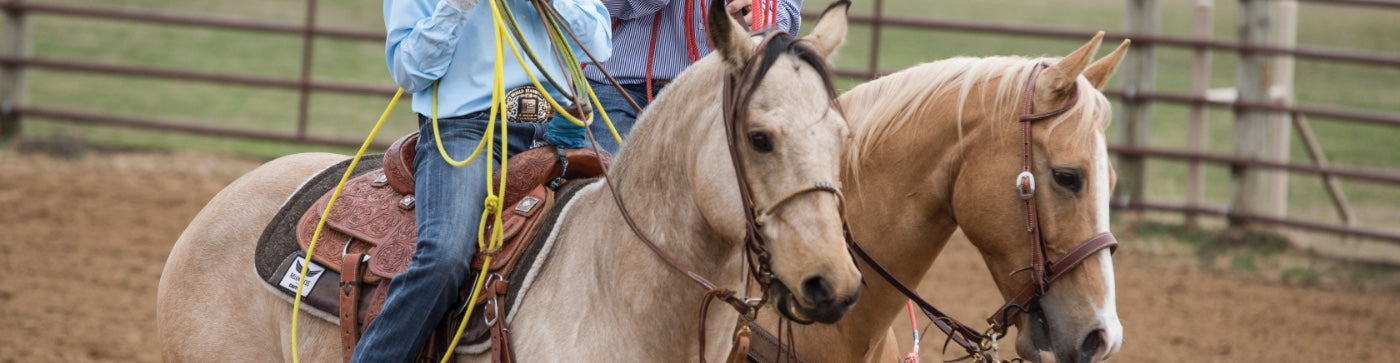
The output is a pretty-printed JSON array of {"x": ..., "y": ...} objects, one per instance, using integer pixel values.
[{"x": 371, "y": 234}]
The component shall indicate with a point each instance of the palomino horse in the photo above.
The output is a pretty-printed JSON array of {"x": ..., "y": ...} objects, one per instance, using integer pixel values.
[
  {"x": 602, "y": 296},
  {"x": 937, "y": 147}
]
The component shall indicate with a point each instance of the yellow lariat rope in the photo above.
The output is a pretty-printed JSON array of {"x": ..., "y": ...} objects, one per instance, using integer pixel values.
[
  {"x": 493, "y": 200},
  {"x": 316, "y": 236}
]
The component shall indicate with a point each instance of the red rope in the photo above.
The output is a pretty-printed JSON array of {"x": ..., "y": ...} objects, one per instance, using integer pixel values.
[
  {"x": 689, "y": 25},
  {"x": 651, "y": 52}
]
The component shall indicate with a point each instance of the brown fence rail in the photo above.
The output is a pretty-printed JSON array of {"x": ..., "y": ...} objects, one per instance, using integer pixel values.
[{"x": 15, "y": 62}]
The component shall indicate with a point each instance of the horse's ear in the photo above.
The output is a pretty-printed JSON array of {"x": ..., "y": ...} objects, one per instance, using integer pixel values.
[
  {"x": 830, "y": 31},
  {"x": 1060, "y": 77},
  {"x": 1098, "y": 73},
  {"x": 728, "y": 37}
]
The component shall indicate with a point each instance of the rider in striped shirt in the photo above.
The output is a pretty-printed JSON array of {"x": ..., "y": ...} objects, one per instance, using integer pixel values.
[{"x": 654, "y": 40}]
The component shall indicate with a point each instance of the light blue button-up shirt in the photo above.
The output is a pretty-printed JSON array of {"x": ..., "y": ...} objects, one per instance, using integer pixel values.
[{"x": 432, "y": 40}]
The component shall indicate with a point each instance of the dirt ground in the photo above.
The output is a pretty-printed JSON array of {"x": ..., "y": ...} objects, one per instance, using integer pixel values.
[{"x": 84, "y": 242}]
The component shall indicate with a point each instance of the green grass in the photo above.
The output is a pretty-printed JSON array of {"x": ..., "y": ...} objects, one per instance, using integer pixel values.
[{"x": 1337, "y": 85}]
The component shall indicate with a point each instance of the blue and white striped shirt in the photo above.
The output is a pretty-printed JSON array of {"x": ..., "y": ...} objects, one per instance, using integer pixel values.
[{"x": 633, "y": 24}]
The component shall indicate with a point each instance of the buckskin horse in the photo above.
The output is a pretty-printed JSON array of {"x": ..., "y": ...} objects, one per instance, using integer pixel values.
[
  {"x": 939, "y": 146},
  {"x": 601, "y": 295}
]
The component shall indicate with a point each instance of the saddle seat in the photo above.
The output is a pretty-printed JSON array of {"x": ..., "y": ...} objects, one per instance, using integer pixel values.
[
  {"x": 371, "y": 233},
  {"x": 380, "y": 222}
]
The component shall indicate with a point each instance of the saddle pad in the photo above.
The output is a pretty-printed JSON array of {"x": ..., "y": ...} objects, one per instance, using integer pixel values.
[{"x": 278, "y": 239}]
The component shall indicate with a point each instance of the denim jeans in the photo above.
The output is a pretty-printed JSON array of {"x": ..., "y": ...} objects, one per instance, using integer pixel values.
[
  {"x": 449, "y": 209},
  {"x": 619, "y": 111}
]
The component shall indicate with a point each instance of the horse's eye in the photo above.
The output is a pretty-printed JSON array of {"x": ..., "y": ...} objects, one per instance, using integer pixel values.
[
  {"x": 760, "y": 141},
  {"x": 1069, "y": 179}
]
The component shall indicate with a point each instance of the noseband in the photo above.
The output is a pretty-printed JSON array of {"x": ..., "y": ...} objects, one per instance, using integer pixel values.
[{"x": 981, "y": 346}]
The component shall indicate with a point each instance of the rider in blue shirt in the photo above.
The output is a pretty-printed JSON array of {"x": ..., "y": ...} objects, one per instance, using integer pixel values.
[{"x": 452, "y": 43}]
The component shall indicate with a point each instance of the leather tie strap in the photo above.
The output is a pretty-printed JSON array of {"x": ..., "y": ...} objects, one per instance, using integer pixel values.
[{"x": 350, "y": 302}]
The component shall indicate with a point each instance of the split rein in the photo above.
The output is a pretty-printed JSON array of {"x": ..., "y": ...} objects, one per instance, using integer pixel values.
[
  {"x": 757, "y": 258},
  {"x": 981, "y": 347}
]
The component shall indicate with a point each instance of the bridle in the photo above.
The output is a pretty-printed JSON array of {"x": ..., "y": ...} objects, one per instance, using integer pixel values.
[
  {"x": 736, "y": 100},
  {"x": 981, "y": 347},
  {"x": 756, "y": 258}
]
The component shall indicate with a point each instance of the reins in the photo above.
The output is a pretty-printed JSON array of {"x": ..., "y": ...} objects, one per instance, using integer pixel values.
[
  {"x": 756, "y": 256},
  {"x": 981, "y": 347},
  {"x": 747, "y": 308}
]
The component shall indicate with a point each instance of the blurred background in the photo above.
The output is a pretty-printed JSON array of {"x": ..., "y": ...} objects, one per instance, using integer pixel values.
[{"x": 1255, "y": 144}]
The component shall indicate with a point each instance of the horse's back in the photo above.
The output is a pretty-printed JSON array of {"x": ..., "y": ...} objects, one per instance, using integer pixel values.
[{"x": 210, "y": 303}]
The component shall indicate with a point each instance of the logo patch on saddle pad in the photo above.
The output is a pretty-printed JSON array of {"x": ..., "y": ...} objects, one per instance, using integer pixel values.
[{"x": 313, "y": 273}]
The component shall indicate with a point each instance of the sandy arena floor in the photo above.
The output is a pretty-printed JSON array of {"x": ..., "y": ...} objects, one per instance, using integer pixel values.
[{"x": 85, "y": 240}]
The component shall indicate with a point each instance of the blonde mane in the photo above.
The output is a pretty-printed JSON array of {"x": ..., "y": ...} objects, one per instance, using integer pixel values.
[{"x": 902, "y": 99}]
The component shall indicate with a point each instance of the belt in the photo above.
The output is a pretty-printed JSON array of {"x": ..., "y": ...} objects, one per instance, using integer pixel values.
[{"x": 527, "y": 104}]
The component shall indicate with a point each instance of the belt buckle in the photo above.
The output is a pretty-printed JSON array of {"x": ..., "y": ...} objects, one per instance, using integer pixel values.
[{"x": 527, "y": 104}]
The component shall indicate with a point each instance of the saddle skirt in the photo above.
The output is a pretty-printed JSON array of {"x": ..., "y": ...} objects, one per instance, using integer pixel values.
[{"x": 374, "y": 213}]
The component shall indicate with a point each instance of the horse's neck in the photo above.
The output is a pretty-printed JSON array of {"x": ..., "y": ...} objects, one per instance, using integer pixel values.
[
  {"x": 636, "y": 288},
  {"x": 901, "y": 197}
]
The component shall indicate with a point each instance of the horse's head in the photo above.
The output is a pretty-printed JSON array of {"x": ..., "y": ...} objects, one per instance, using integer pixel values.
[
  {"x": 1076, "y": 319},
  {"x": 788, "y": 138}
]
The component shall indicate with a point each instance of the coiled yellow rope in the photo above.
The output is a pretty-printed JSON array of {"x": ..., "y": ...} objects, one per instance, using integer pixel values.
[{"x": 492, "y": 203}]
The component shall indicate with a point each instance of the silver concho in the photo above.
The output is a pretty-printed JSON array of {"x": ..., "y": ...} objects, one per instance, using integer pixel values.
[
  {"x": 526, "y": 204},
  {"x": 527, "y": 104}
]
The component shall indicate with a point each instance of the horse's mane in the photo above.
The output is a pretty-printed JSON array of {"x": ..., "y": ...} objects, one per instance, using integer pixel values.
[{"x": 896, "y": 101}]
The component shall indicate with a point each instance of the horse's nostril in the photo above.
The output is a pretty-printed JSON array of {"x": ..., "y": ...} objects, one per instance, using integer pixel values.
[
  {"x": 817, "y": 289},
  {"x": 1093, "y": 349}
]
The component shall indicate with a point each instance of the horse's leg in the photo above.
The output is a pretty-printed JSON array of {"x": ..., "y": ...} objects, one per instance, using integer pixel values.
[
  {"x": 884, "y": 349},
  {"x": 211, "y": 305}
]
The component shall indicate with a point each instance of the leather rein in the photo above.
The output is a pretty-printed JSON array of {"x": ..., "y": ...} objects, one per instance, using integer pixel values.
[
  {"x": 757, "y": 258},
  {"x": 981, "y": 347}
]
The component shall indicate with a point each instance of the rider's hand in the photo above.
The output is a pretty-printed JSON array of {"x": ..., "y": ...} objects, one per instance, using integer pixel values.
[
  {"x": 565, "y": 134},
  {"x": 741, "y": 7}
]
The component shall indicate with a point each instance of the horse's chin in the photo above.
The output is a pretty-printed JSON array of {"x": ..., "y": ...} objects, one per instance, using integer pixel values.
[
  {"x": 793, "y": 309},
  {"x": 1036, "y": 345}
]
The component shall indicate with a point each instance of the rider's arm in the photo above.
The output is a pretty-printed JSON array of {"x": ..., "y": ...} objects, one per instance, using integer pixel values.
[
  {"x": 589, "y": 20},
  {"x": 790, "y": 15},
  {"x": 421, "y": 39},
  {"x": 632, "y": 9}
]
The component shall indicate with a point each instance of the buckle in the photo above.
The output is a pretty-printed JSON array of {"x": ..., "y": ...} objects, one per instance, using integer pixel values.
[
  {"x": 527, "y": 104},
  {"x": 1025, "y": 185}
]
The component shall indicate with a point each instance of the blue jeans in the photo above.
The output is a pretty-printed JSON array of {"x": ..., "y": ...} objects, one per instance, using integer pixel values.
[
  {"x": 619, "y": 111},
  {"x": 449, "y": 208}
]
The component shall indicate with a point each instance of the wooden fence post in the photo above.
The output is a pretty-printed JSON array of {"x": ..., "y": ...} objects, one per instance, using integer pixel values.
[
  {"x": 16, "y": 34},
  {"x": 1139, "y": 72},
  {"x": 1196, "y": 128},
  {"x": 1253, "y": 187},
  {"x": 1281, "y": 91}
]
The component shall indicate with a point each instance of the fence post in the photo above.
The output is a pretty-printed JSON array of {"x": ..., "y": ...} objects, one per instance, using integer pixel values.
[
  {"x": 1281, "y": 91},
  {"x": 1200, "y": 83},
  {"x": 16, "y": 34},
  {"x": 876, "y": 25},
  {"x": 1139, "y": 73},
  {"x": 304, "y": 102},
  {"x": 1253, "y": 187}
]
